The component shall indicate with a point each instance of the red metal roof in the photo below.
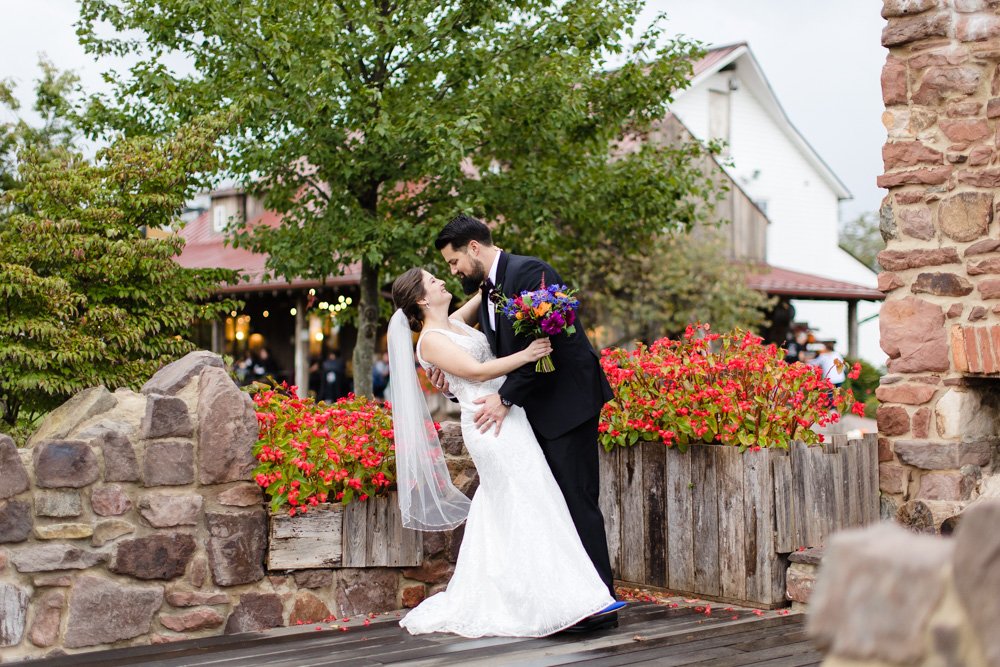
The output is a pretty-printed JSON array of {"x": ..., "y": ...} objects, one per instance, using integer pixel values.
[
  {"x": 206, "y": 248},
  {"x": 785, "y": 282},
  {"x": 713, "y": 56}
]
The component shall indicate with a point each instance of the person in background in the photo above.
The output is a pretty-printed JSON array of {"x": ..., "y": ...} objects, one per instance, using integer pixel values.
[
  {"x": 333, "y": 378},
  {"x": 380, "y": 375},
  {"x": 832, "y": 364},
  {"x": 263, "y": 366}
]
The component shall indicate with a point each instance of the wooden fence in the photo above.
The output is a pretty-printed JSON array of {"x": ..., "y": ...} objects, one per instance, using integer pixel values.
[
  {"x": 717, "y": 524},
  {"x": 366, "y": 533}
]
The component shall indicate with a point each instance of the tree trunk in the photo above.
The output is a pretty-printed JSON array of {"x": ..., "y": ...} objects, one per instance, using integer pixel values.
[
  {"x": 926, "y": 516},
  {"x": 364, "y": 350}
]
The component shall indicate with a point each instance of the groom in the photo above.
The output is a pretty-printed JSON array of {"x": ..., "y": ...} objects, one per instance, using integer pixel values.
[{"x": 564, "y": 406}]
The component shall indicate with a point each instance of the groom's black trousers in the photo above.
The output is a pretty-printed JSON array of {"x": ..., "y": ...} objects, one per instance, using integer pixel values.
[{"x": 573, "y": 458}]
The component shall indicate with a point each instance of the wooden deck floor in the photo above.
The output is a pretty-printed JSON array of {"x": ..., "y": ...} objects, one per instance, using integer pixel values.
[{"x": 648, "y": 634}]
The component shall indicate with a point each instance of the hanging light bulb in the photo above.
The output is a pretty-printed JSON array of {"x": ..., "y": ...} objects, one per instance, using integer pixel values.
[{"x": 293, "y": 312}]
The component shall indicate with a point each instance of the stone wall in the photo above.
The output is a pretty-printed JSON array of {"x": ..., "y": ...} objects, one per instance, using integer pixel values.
[
  {"x": 130, "y": 519},
  {"x": 886, "y": 597},
  {"x": 940, "y": 324}
]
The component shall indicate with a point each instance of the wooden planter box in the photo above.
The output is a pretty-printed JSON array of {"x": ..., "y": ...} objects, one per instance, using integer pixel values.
[
  {"x": 365, "y": 533},
  {"x": 716, "y": 524}
]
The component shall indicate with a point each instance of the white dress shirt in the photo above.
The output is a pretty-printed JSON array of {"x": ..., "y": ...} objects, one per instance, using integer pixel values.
[{"x": 491, "y": 308}]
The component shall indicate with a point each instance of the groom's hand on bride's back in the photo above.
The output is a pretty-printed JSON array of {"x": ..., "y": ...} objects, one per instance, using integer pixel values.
[
  {"x": 437, "y": 378},
  {"x": 492, "y": 414}
]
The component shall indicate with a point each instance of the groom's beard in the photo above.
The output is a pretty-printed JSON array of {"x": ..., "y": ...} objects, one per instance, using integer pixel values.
[{"x": 472, "y": 281}]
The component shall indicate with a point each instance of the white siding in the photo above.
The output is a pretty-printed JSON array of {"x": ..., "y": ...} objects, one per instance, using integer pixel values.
[{"x": 801, "y": 204}]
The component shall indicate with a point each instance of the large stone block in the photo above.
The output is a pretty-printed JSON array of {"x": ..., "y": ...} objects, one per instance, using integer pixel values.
[
  {"x": 63, "y": 531},
  {"x": 70, "y": 463},
  {"x": 913, "y": 335},
  {"x": 168, "y": 463},
  {"x": 166, "y": 417},
  {"x": 893, "y": 81},
  {"x": 236, "y": 546},
  {"x": 110, "y": 500},
  {"x": 799, "y": 582},
  {"x": 172, "y": 378},
  {"x": 314, "y": 578},
  {"x": 159, "y": 556},
  {"x": 908, "y": 29},
  {"x": 892, "y": 420},
  {"x": 308, "y": 609},
  {"x": 58, "y": 503},
  {"x": 13, "y": 613},
  {"x": 896, "y": 8},
  {"x": 13, "y": 476},
  {"x": 182, "y": 598},
  {"x": 917, "y": 223},
  {"x": 900, "y": 260},
  {"x": 899, "y": 154},
  {"x": 945, "y": 485},
  {"x": 63, "y": 420},
  {"x": 256, "y": 612},
  {"x": 892, "y": 478},
  {"x": 109, "y": 531},
  {"x": 876, "y": 593},
  {"x": 164, "y": 510},
  {"x": 227, "y": 429},
  {"x": 102, "y": 611},
  {"x": 242, "y": 495},
  {"x": 941, "y": 284},
  {"x": 941, "y": 82},
  {"x": 947, "y": 455},
  {"x": 192, "y": 621},
  {"x": 120, "y": 462},
  {"x": 909, "y": 393},
  {"x": 15, "y": 521},
  {"x": 966, "y": 216},
  {"x": 49, "y": 557},
  {"x": 47, "y": 617},
  {"x": 363, "y": 591},
  {"x": 961, "y": 414},
  {"x": 976, "y": 573}
]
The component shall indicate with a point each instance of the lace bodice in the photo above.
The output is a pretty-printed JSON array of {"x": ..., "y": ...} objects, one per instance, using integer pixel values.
[{"x": 474, "y": 342}]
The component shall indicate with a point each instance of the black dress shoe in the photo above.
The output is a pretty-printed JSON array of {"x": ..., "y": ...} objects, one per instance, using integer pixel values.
[{"x": 595, "y": 623}]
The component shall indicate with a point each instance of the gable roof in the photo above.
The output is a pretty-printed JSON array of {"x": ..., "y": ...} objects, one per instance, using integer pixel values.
[{"x": 752, "y": 74}]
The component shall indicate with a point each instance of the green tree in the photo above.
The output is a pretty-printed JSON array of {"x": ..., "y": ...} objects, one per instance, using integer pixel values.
[
  {"x": 369, "y": 123},
  {"x": 681, "y": 279},
  {"x": 862, "y": 239},
  {"x": 55, "y": 131},
  {"x": 85, "y": 298}
]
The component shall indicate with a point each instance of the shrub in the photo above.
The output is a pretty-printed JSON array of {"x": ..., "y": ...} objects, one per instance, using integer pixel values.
[{"x": 716, "y": 388}]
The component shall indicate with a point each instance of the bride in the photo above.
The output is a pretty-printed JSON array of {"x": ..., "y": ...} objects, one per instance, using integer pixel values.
[{"x": 522, "y": 570}]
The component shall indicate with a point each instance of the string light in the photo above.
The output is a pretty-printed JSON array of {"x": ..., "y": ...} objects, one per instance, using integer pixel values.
[
  {"x": 266, "y": 314},
  {"x": 319, "y": 336},
  {"x": 293, "y": 311}
]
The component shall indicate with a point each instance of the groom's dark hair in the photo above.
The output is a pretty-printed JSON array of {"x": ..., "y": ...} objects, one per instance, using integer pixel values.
[{"x": 462, "y": 229}]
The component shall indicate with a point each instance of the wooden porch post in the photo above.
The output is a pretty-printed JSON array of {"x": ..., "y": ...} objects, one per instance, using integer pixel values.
[
  {"x": 852, "y": 329},
  {"x": 216, "y": 336},
  {"x": 301, "y": 348}
]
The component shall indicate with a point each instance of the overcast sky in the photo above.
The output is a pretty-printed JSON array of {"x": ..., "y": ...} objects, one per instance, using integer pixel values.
[{"x": 822, "y": 58}]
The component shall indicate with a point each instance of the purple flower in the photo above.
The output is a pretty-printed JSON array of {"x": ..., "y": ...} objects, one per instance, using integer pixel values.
[{"x": 553, "y": 324}]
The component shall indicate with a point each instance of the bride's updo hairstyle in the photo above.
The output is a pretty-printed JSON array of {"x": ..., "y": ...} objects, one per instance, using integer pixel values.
[{"x": 407, "y": 290}]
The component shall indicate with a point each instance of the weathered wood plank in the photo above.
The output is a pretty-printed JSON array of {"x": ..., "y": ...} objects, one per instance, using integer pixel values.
[
  {"x": 680, "y": 521},
  {"x": 871, "y": 442},
  {"x": 355, "y": 535},
  {"x": 633, "y": 531},
  {"x": 838, "y": 475},
  {"x": 758, "y": 511},
  {"x": 852, "y": 489},
  {"x": 786, "y": 526},
  {"x": 732, "y": 565},
  {"x": 311, "y": 540},
  {"x": 610, "y": 502},
  {"x": 377, "y": 550},
  {"x": 654, "y": 471},
  {"x": 798, "y": 457},
  {"x": 705, "y": 521},
  {"x": 405, "y": 545}
]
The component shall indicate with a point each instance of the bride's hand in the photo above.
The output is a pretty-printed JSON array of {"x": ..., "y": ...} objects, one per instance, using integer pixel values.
[{"x": 538, "y": 348}]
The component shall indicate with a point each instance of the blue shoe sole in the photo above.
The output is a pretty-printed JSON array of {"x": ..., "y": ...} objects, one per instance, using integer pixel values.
[{"x": 613, "y": 607}]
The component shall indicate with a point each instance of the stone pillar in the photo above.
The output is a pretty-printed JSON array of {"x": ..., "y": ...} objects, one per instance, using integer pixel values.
[{"x": 940, "y": 324}]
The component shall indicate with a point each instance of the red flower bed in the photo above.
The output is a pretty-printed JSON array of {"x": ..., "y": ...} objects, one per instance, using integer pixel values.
[
  {"x": 717, "y": 388},
  {"x": 311, "y": 453}
]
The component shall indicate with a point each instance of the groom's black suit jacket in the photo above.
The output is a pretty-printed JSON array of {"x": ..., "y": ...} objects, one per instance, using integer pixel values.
[{"x": 555, "y": 402}]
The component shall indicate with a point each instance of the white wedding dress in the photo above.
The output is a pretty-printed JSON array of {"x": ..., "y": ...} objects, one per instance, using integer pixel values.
[{"x": 522, "y": 570}]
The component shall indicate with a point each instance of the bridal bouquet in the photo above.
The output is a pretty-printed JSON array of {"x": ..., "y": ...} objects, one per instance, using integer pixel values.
[{"x": 546, "y": 311}]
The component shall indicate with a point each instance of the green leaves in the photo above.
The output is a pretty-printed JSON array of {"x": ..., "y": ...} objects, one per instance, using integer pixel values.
[{"x": 86, "y": 298}]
